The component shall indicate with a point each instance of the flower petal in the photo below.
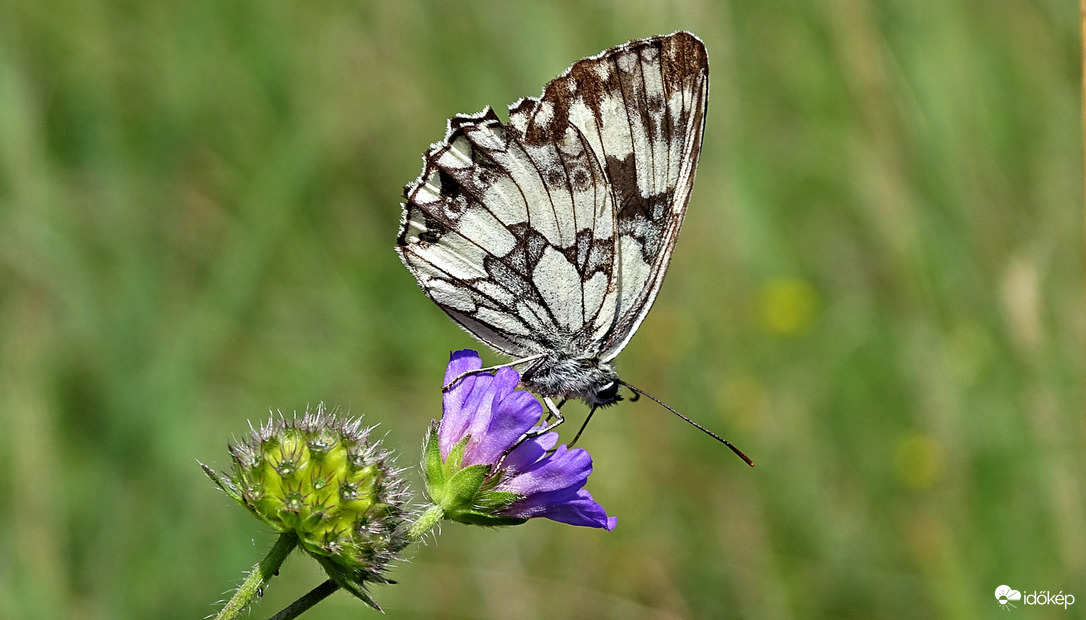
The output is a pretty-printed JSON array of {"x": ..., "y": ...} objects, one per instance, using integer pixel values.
[
  {"x": 456, "y": 423},
  {"x": 456, "y": 401},
  {"x": 461, "y": 362},
  {"x": 528, "y": 453},
  {"x": 564, "y": 469},
  {"x": 580, "y": 509},
  {"x": 478, "y": 414},
  {"x": 514, "y": 413}
]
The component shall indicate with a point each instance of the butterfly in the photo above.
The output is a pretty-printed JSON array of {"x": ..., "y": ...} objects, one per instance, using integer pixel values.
[{"x": 548, "y": 237}]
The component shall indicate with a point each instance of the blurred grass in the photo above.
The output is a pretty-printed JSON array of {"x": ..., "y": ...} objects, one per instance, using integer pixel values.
[{"x": 878, "y": 296}]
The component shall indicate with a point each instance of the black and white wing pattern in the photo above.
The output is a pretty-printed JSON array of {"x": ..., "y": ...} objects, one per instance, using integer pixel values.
[{"x": 548, "y": 237}]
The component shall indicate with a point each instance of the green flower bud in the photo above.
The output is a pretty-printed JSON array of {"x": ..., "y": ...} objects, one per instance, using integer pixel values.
[{"x": 323, "y": 480}]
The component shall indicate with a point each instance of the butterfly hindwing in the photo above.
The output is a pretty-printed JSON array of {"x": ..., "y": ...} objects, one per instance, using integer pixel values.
[{"x": 552, "y": 233}]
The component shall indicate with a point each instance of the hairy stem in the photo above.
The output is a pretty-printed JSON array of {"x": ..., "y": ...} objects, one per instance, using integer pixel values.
[{"x": 258, "y": 577}]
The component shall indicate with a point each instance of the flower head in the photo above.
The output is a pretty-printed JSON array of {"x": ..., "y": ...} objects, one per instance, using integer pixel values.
[
  {"x": 323, "y": 480},
  {"x": 478, "y": 473}
]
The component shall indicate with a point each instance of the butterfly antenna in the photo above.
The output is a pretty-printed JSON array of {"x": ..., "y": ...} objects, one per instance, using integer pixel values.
[{"x": 701, "y": 428}]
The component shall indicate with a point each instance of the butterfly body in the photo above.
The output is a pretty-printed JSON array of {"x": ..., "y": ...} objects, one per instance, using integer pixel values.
[
  {"x": 563, "y": 376},
  {"x": 548, "y": 237}
]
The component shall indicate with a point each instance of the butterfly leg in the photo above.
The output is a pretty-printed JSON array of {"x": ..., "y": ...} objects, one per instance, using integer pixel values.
[
  {"x": 552, "y": 413},
  {"x": 526, "y": 360}
]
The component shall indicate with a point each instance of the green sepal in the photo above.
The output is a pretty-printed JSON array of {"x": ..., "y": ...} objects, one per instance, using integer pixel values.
[
  {"x": 475, "y": 517},
  {"x": 433, "y": 468},
  {"x": 344, "y": 580},
  {"x": 489, "y": 520},
  {"x": 462, "y": 490},
  {"x": 464, "y": 494},
  {"x": 223, "y": 484},
  {"x": 481, "y": 512},
  {"x": 456, "y": 457},
  {"x": 449, "y": 486},
  {"x": 496, "y": 500}
]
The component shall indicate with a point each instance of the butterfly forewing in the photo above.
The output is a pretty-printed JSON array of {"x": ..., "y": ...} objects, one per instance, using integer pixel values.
[
  {"x": 641, "y": 107},
  {"x": 550, "y": 234}
]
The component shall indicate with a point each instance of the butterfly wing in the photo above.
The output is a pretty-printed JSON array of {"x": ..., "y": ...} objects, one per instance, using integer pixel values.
[
  {"x": 641, "y": 107},
  {"x": 552, "y": 233},
  {"x": 490, "y": 230}
]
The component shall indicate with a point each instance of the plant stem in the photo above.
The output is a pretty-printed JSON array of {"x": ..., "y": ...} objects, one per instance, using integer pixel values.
[
  {"x": 311, "y": 598},
  {"x": 426, "y": 522},
  {"x": 258, "y": 577}
]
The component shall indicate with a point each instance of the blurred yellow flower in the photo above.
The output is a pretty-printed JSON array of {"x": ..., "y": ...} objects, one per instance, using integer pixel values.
[{"x": 787, "y": 306}]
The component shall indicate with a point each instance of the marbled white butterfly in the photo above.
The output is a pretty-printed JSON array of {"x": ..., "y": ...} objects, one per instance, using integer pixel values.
[{"x": 548, "y": 237}]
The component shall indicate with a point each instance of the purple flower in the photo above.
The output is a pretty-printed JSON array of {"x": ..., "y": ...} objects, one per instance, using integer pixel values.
[{"x": 484, "y": 416}]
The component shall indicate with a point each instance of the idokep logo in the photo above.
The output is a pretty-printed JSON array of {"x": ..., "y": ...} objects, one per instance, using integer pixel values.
[{"x": 1006, "y": 595}]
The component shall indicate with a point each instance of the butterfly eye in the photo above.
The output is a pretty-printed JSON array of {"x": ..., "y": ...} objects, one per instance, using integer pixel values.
[{"x": 609, "y": 394}]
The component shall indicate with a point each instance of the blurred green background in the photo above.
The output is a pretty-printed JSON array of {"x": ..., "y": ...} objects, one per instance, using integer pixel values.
[{"x": 878, "y": 295}]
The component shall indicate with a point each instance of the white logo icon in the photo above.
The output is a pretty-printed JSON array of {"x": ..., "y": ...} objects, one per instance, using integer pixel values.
[{"x": 1004, "y": 594}]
